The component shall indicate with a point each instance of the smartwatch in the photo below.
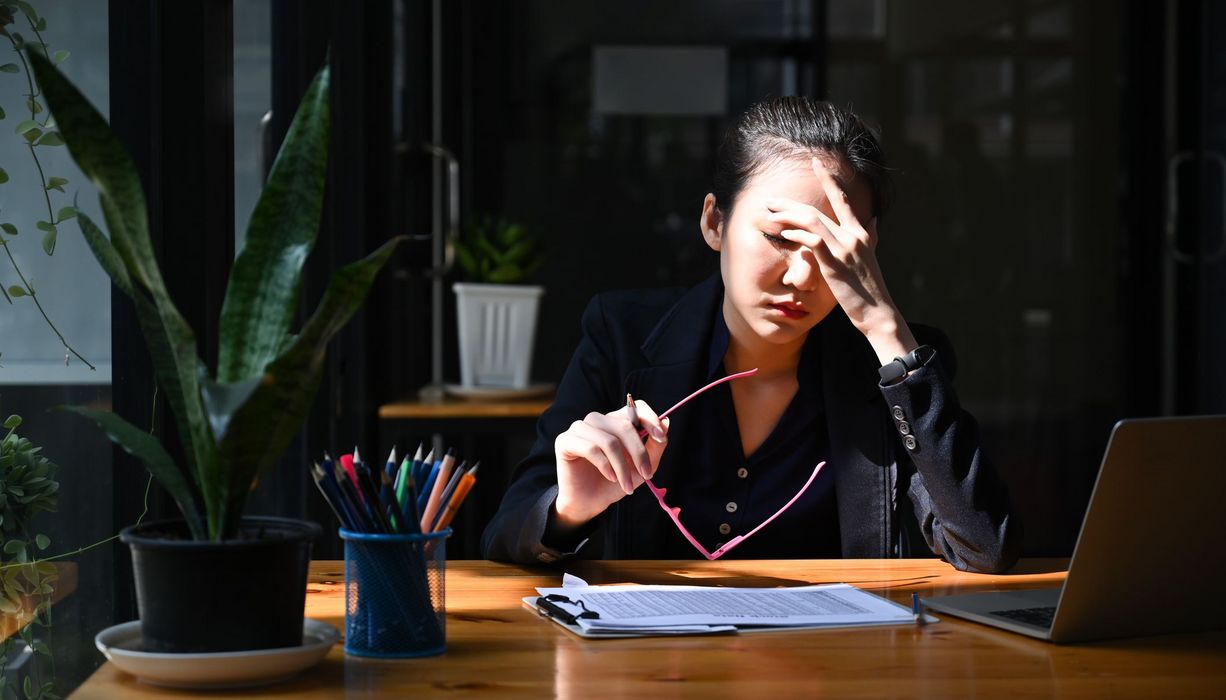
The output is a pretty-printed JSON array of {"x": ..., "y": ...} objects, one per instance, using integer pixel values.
[{"x": 893, "y": 371}]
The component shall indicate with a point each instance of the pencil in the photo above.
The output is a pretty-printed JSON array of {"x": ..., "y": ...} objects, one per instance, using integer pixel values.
[{"x": 434, "y": 501}]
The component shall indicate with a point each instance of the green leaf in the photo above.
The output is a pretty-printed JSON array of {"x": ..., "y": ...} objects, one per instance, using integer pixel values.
[
  {"x": 104, "y": 252},
  {"x": 263, "y": 426},
  {"x": 56, "y": 183},
  {"x": 9, "y": 229},
  {"x": 13, "y": 546},
  {"x": 506, "y": 274},
  {"x": 44, "y": 226},
  {"x": 25, "y": 126},
  {"x": 32, "y": 135},
  {"x": 49, "y": 241},
  {"x": 33, "y": 105},
  {"x": 10, "y": 68},
  {"x": 42, "y": 541},
  {"x": 149, "y": 451},
  {"x": 17, "y": 290},
  {"x": 262, "y": 295},
  {"x": 19, "y": 41},
  {"x": 4, "y": 176},
  {"x": 51, "y": 138},
  {"x": 42, "y": 24},
  {"x": 2, "y": 114},
  {"x": 60, "y": 56},
  {"x": 107, "y": 164},
  {"x": 65, "y": 213},
  {"x": 12, "y": 422}
]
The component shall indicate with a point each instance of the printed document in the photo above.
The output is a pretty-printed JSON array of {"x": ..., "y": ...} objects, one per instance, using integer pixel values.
[{"x": 672, "y": 609}]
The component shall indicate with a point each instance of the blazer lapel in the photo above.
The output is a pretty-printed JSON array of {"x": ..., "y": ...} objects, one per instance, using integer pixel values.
[{"x": 676, "y": 352}]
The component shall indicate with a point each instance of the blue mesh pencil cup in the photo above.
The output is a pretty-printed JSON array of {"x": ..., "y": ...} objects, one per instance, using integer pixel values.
[{"x": 395, "y": 597}]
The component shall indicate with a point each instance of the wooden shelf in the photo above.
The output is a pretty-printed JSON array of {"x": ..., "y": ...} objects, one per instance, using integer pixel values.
[{"x": 460, "y": 408}]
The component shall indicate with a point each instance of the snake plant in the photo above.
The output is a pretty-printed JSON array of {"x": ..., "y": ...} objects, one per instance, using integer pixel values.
[{"x": 234, "y": 425}]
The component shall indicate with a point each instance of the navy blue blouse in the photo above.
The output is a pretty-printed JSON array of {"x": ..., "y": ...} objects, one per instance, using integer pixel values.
[{"x": 723, "y": 493}]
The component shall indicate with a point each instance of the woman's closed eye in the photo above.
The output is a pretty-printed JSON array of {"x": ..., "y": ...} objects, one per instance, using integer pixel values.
[{"x": 779, "y": 242}]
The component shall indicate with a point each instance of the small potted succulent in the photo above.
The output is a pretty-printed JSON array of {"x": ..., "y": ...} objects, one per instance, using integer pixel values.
[
  {"x": 235, "y": 421},
  {"x": 496, "y": 312}
]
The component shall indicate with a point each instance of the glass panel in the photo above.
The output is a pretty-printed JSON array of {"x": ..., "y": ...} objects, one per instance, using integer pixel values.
[
  {"x": 38, "y": 373},
  {"x": 252, "y": 102},
  {"x": 1001, "y": 236}
]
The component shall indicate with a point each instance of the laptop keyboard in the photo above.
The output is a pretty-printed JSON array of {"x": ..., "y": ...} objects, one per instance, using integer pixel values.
[{"x": 1039, "y": 617}]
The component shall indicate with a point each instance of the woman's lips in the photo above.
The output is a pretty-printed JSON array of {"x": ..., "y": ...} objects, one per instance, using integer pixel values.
[{"x": 790, "y": 311}]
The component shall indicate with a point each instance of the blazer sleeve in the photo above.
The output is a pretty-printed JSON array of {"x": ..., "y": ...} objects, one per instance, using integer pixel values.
[
  {"x": 959, "y": 499},
  {"x": 590, "y": 382}
]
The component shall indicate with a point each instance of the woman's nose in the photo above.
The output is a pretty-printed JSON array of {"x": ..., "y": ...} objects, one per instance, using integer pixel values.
[{"x": 802, "y": 271}]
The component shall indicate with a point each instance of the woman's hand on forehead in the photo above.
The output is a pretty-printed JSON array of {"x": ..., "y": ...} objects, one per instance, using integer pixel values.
[{"x": 844, "y": 249}]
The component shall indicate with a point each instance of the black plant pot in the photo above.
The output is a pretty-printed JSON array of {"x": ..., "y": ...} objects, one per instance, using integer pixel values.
[{"x": 235, "y": 595}]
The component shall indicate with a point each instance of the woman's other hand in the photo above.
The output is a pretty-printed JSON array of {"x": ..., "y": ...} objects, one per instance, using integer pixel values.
[{"x": 602, "y": 459}]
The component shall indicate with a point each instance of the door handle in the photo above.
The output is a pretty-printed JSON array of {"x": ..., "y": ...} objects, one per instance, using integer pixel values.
[{"x": 1179, "y": 255}]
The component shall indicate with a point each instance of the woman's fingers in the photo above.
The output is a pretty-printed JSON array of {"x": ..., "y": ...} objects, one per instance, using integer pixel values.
[
  {"x": 655, "y": 449},
  {"x": 578, "y": 443},
  {"x": 656, "y": 430},
  {"x": 835, "y": 194}
]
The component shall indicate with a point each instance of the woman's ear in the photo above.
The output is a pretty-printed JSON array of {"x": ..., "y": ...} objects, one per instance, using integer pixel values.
[{"x": 711, "y": 223}]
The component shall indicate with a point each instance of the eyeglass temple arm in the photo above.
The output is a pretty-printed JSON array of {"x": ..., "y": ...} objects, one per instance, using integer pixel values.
[{"x": 740, "y": 538}]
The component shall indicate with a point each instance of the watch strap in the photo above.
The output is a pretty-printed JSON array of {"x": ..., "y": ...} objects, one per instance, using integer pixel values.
[{"x": 900, "y": 366}]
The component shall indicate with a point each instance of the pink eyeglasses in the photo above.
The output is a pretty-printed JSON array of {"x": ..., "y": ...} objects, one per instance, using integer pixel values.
[{"x": 675, "y": 513}]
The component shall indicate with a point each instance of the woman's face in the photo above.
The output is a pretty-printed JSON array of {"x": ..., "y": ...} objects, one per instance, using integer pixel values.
[{"x": 773, "y": 288}]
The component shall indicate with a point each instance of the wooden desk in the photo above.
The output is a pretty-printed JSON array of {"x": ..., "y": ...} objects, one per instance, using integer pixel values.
[
  {"x": 449, "y": 408},
  {"x": 498, "y": 649}
]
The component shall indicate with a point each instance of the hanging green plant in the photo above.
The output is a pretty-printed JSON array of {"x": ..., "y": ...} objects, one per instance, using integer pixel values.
[
  {"x": 27, "y": 487},
  {"x": 37, "y": 131}
]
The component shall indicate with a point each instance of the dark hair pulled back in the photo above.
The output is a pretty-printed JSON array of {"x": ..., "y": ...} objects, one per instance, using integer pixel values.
[{"x": 791, "y": 127}]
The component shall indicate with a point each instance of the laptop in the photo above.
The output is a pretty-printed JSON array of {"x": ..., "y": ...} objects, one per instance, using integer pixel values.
[{"x": 1151, "y": 555}]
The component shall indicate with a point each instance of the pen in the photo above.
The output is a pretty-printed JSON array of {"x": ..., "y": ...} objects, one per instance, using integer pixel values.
[
  {"x": 552, "y": 609},
  {"x": 917, "y": 609},
  {"x": 445, "y": 497},
  {"x": 457, "y": 498}
]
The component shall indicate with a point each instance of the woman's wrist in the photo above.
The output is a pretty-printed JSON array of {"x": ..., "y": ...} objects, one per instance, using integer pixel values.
[
  {"x": 890, "y": 337},
  {"x": 567, "y": 518}
]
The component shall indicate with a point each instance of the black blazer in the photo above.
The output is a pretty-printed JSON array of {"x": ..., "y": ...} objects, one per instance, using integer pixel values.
[{"x": 655, "y": 344}]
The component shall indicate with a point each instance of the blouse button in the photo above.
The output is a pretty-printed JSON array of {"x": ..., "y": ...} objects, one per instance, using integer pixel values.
[
  {"x": 742, "y": 472},
  {"x": 904, "y": 427},
  {"x": 909, "y": 441},
  {"x": 898, "y": 414},
  {"x": 724, "y": 528},
  {"x": 731, "y": 507}
]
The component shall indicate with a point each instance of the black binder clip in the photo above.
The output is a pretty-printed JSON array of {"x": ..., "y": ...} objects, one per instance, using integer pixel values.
[{"x": 548, "y": 605}]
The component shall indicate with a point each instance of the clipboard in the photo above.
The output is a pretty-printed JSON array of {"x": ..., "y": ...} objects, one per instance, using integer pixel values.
[
  {"x": 570, "y": 623},
  {"x": 571, "y": 614}
]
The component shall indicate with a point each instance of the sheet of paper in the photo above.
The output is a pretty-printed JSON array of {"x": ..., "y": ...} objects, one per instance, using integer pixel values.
[{"x": 638, "y": 607}]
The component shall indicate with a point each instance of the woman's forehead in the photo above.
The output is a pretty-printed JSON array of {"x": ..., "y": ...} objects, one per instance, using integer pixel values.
[{"x": 793, "y": 178}]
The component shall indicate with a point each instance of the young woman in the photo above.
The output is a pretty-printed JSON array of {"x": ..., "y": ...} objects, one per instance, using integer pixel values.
[{"x": 841, "y": 381}]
